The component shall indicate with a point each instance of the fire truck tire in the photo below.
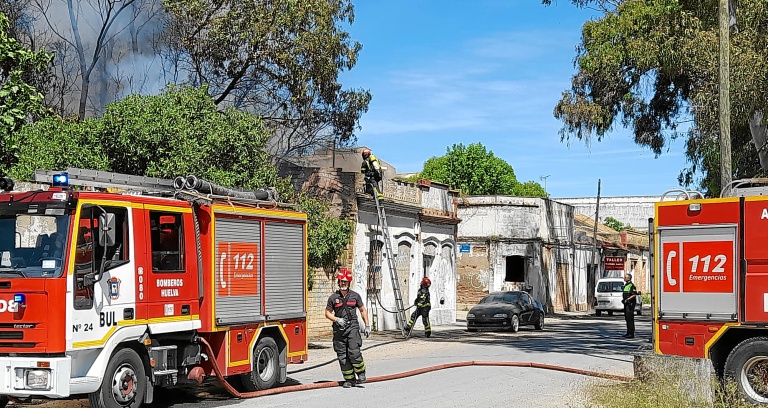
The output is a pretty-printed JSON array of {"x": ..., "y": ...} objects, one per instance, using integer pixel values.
[
  {"x": 265, "y": 366},
  {"x": 4, "y": 401},
  {"x": 749, "y": 355},
  {"x": 123, "y": 384}
]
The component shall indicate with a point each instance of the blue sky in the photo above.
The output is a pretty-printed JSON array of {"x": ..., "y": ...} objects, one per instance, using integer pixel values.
[{"x": 489, "y": 71}]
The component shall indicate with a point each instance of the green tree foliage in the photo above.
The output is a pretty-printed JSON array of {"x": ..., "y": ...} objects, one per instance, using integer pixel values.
[
  {"x": 476, "y": 171},
  {"x": 280, "y": 59},
  {"x": 529, "y": 189},
  {"x": 18, "y": 99},
  {"x": 615, "y": 224},
  {"x": 652, "y": 65},
  {"x": 328, "y": 236},
  {"x": 178, "y": 132}
]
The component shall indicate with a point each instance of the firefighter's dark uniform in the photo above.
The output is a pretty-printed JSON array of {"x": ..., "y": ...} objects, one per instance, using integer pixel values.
[
  {"x": 371, "y": 168},
  {"x": 347, "y": 340},
  {"x": 629, "y": 307},
  {"x": 422, "y": 309}
]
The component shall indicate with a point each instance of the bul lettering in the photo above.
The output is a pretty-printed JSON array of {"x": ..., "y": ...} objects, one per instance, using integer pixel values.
[
  {"x": 107, "y": 319},
  {"x": 764, "y": 215}
]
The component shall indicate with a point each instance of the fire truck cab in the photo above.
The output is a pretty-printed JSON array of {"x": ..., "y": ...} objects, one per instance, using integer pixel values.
[
  {"x": 711, "y": 285},
  {"x": 109, "y": 295}
]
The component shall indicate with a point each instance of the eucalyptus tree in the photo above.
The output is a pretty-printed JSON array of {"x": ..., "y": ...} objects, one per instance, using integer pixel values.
[
  {"x": 652, "y": 66},
  {"x": 278, "y": 59}
]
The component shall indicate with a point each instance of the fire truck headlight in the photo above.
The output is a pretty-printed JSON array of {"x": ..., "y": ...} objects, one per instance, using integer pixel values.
[{"x": 37, "y": 379}]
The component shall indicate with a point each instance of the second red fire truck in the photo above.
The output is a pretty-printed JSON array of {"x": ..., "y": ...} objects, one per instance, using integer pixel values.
[
  {"x": 111, "y": 295},
  {"x": 711, "y": 283}
]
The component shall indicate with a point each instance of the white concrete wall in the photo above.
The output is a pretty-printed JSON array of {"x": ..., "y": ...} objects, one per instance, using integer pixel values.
[
  {"x": 630, "y": 210},
  {"x": 519, "y": 226},
  {"x": 500, "y": 216},
  {"x": 405, "y": 229},
  {"x": 408, "y": 233},
  {"x": 442, "y": 273}
]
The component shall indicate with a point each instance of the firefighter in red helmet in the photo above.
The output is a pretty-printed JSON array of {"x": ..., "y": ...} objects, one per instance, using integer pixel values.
[
  {"x": 371, "y": 168},
  {"x": 422, "y": 307},
  {"x": 342, "y": 311}
]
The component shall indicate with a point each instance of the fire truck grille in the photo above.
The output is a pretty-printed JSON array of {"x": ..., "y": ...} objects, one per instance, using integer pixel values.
[
  {"x": 11, "y": 335},
  {"x": 17, "y": 345}
]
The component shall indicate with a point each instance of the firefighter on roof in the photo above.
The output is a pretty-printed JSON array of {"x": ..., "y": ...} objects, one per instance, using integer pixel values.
[
  {"x": 342, "y": 311},
  {"x": 373, "y": 174},
  {"x": 422, "y": 307}
]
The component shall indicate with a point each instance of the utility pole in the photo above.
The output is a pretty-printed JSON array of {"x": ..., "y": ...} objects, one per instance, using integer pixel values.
[
  {"x": 725, "y": 100},
  {"x": 594, "y": 232},
  {"x": 333, "y": 153}
]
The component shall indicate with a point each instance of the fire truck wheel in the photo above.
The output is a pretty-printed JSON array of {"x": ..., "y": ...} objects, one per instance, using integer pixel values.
[
  {"x": 265, "y": 366},
  {"x": 747, "y": 365},
  {"x": 4, "y": 401},
  {"x": 123, "y": 384}
]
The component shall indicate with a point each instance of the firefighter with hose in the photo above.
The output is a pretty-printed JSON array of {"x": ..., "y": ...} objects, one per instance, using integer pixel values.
[
  {"x": 423, "y": 307},
  {"x": 342, "y": 311}
]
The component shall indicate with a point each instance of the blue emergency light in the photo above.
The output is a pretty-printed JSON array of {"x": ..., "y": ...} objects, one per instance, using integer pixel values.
[
  {"x": 61, "y": 180},
  {"x": 20, "y": 298}
]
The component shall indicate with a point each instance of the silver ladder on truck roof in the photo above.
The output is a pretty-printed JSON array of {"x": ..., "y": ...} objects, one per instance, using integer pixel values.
[
  {"x": 106, "y": 179},
  {"x": 179, "y": 188}
]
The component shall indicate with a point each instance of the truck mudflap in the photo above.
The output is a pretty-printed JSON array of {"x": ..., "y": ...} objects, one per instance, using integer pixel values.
[{"x": 35, "y": 376}]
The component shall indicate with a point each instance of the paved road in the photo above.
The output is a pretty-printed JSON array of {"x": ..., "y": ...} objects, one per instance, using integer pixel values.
[{"x": 576, "y": 341}]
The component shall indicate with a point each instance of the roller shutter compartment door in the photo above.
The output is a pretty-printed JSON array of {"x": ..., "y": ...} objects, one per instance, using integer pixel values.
[{"x": 284, "y": 270}]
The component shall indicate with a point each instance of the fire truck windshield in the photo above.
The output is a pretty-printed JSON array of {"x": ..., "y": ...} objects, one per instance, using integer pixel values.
[{"x": 32, "y": 245}]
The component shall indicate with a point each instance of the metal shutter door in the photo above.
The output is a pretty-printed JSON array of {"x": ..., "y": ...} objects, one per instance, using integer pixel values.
[
  {"x": 237, "y": 309},
  {"x": 284, "y": 270}
]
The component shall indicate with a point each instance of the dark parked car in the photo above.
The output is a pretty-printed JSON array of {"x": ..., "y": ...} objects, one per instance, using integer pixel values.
[{"x": 506, "y": 310}]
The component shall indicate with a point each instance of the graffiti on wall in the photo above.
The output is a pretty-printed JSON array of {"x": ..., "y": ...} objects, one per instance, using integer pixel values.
[
  {"x": 441, "y": 272},
  {"x": 476, "y": 279}
]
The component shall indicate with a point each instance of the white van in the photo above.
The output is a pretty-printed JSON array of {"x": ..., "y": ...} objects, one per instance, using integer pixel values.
[{"x": 608, "y": 295}]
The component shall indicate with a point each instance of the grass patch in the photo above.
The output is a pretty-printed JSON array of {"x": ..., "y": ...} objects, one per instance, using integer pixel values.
[{"x": 659, "y": 393}]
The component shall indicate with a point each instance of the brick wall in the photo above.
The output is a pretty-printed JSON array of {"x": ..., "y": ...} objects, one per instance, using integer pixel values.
[
  {"x": 318, "y": 327},
  {"x": 337, "y": 188}
]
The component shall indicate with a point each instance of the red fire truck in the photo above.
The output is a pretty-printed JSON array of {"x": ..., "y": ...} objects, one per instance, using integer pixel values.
[
  {"x": 112, "y": 294},
  {"x": 711, "y": 283}
]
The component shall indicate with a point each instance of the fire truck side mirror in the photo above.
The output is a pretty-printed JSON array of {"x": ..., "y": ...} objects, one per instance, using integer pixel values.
[{"x": 107, "y": 229}]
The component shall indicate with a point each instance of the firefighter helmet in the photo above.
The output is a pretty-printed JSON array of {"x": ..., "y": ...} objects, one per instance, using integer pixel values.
[
  {"x": 366, "y": 153},
  {"x": 426, "y": 282},
  {"x": 344, "y": 275}
]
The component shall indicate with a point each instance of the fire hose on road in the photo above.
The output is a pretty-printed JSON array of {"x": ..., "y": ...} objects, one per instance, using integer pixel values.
[{"x": 329, "y": 384}]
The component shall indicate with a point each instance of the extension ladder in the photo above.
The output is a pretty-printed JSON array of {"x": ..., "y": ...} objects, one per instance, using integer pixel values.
[{"x": 401, "y": 316}]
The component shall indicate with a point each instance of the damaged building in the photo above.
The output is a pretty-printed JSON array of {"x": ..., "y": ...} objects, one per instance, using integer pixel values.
[
  {"x": 540, "y": 245},
  {"x": 422, "y": 224}
]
